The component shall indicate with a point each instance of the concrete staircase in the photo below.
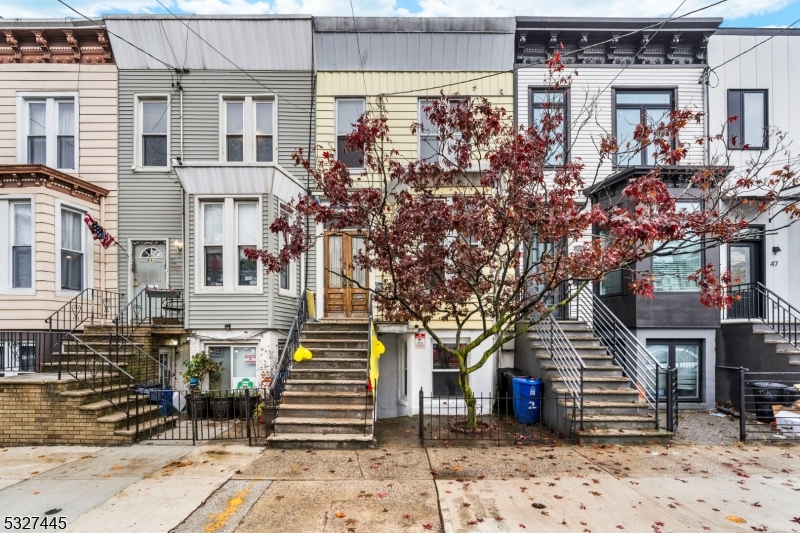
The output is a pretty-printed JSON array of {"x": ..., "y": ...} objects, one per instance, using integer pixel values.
[
  {"x": 104, "y": 401},
  {"x": 613, "y": 411},
  {"x": 326, "y": 404},
  {"x": 782, "y": 347}
]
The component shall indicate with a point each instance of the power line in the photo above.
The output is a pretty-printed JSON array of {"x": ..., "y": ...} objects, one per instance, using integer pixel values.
[
  {"x": 227, "y": 58},
  {"x": 541, "y": 61},
  {"x": 117, "y": 36},
  {"x": 755, "y": 46},
  {"x": 358, "y": 46}
]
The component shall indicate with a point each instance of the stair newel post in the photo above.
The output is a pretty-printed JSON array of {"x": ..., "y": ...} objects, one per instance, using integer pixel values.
[
  {"x": 670, "y": 399},
  {"x": 421, "y": 417},
  {"x": 742, "y": 410},
  {"x": 247, "y": 415},
  {"x": 60, "y": 352},
  {"x": 581, "y": 398},
  {"x": 657, "y": 394}
]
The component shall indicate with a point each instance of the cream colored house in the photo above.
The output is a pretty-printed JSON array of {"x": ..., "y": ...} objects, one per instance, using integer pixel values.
[
  {"x": 408, "y": 61},
  {"x": 58, "y": 161}
]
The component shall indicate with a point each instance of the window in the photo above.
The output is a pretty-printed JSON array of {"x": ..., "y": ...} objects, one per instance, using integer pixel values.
[
  {"x": 72, "y": 256},
  {"x": 238, "y": 367},
  {"x": 16, "y": 244},
  {"x": 48, "y": 128},
  {"x": 348, "y": 111},
  {"x": 631, "y": 109},
  {"x": 445, "y": 371},
  {"x": 154, "y": 125},
  {"x": 751, "y": 129},
  {"x": 248, "y": 129},
  {"x": 429, "y": 134},
  {"x": 402, "y": 370},
  {"x": 677, "y": 261},
  {"x": 551, "y": 103},
  {"x": 612, "y": 283},
  {"x": 686, "y": 357},
  {"x": 228, "y": 226},
  {"x": 287, "y": 275}
]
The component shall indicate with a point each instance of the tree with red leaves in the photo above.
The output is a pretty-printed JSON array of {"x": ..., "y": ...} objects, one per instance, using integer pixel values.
[{"x": 450, "y": 237}]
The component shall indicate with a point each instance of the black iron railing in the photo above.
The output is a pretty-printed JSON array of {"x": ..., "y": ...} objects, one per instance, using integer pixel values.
[
  {"x": 566, "y": 359},
  {"x": 754, "y": 301},
  {"x": 150, "y": 308},
  {"x": 370, "y": 405},
  {"x": 90, "y": 305},
  {"x": 29, "y": 351},
  {"x": 769, "y": 406},
  {"x": 501, "y": 419},
  {"x": 230, "y": 414},
  {"x": 656, "y": 382},
  {"x": 283, "y": 367}
]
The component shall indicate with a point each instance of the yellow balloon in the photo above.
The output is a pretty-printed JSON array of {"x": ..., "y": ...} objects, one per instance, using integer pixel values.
[{"x": 301, "y": 354}]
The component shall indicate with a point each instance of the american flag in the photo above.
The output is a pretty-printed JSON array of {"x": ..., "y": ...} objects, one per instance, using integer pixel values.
[{"x": 99, "y": 233}]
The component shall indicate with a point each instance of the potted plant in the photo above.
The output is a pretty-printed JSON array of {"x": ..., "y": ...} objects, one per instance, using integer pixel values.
[
  {"x": 264, "y": 416},
  {"x": 198, "y": 367},
  {"x": 245, "y": 404}
]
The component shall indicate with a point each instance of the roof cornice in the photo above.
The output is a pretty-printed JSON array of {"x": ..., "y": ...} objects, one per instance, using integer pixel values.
[{"x": 19, "y": 176}]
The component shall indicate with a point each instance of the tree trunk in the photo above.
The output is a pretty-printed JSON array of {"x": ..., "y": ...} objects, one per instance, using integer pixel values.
[{"x": 469, "y": 399}]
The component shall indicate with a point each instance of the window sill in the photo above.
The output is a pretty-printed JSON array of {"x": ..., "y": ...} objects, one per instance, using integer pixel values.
[
  {"x": 206, "y": 291},
  {"x": 217, "y": 163},
  {"x": 61, "y": 293},
  {"x": 18, "y": 292},
  {"x": 288, "y": 292},
  {"x": 151, "y": 169},
  {"x": 403, "y": 401}
]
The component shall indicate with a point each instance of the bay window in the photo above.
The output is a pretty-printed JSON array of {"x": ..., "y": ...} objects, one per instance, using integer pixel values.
[
  {"x": 72, "y": 250},
  {"x": 227, "y": 227},
  {"x": 248, "y": 129},
  {"x": 48, "y": 130},
  {"x": 678, "y": 260}
]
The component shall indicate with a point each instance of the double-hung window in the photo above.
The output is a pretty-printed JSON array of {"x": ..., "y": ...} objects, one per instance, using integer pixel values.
[
  {"x": 551, "y": 105},
  {"x": 154, "y": 132},
  {"x": 445, "y": 371},
  {"x": 227, "y": 227},
  {"x": 48, "y": 130},
  {"x": 248, "y": 129},
  {"x": 750, "y": 130},
  {"x": 634, "y": 107},
  {"x": 430, "y": 144},
  {"x": 348, "y": 111},
  {"x": 72, "y": 250},
  {"x": 16, "y": 244},
  {"x": 285, "y": 275}
]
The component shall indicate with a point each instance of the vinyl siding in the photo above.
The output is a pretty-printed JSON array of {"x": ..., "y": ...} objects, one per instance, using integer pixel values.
[
  {"x": 144, "y": 191},
  {"x": 96, "y": 86},
  {"x": 591, "y": 114}
]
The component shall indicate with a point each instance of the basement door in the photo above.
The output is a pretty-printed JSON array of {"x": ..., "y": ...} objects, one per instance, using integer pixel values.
[{"x": 343, "y": 295}]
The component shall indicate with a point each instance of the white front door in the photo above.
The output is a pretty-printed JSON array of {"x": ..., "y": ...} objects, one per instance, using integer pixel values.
[{"x": 149, "y": 264}]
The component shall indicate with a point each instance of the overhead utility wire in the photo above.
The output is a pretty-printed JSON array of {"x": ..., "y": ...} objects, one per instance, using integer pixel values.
[
  {"x": 118, "y": 36},
  {"x": 755, "y": 46},
  {"x": 227, "y": 58},
  {"x": 540, "y": 61}
]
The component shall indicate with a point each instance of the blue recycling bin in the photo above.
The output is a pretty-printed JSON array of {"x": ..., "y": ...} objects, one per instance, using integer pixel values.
[{"x": 527, "y": 399}]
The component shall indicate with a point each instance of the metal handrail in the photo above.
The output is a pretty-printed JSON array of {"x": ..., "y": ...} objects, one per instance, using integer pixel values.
[
  {"x": 624, "y": 347},
  {"x": 89, "y": 304},
  {"x": 567, "y": 360},
  {"x": 280, "y": 373},
  {"x": 756, "y": 301},
  {"x": 374, "y": 389}
]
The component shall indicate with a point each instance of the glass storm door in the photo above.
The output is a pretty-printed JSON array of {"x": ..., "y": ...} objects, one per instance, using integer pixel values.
[
  {"x": 745, "y": 265},
  {"x": 343, "y": 295}
]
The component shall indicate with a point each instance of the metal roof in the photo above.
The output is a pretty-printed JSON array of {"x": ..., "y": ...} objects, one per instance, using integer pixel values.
[
  {"x": 227, "y": 179},
  {"x": 765, "y": 32},
  {"x": 419, "y": 44},
  {"x": 252, "y": 43},
  {"x": 49, "y": 23}
]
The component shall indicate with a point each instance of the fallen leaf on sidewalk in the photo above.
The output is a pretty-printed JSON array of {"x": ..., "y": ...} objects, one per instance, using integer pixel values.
[
  {"x": 340, "y": 514},
  {"x": 427, "y": 526},
  {"x": 735, "y": 519},
  {"x": 117, "y": 467},
  {"x": 350, "y": 521},
  {"x": 523, "y": 526},
  {"x": 382, "y": 494}
]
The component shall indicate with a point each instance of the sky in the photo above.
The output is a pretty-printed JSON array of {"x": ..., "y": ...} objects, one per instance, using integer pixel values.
[{"x": 737, "y": 13}]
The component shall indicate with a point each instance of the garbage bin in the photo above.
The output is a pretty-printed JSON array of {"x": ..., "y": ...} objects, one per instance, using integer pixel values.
[
  {"x": 527, "y": 399},
  {"x": 505, "y": 392},
  {"x": 765, "y": 395},
  {"x": 790, "y": 395}
]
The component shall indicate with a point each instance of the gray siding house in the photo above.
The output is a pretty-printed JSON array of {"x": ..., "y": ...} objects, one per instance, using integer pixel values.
[{"x": 211, "y": 110}]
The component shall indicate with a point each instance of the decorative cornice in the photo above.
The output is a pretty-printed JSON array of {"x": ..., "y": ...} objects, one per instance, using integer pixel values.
[
  {"x": 56, "y": 45},
  {"x": 17, "y": 176}
]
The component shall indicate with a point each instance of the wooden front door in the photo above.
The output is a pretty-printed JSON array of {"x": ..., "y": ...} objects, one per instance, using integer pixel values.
[{"x": 343, "y": 295}]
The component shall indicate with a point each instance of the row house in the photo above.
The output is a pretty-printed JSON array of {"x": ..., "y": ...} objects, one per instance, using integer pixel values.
[{"x": 58, "y": 162}]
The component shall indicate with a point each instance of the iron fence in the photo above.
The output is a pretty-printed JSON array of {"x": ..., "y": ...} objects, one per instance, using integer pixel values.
[
  {"x": 28, "y": 351},
  {"x": 230, "y": 414},
  {"x": 769, "y": 406},
  {"x": 501, "y": 420}
]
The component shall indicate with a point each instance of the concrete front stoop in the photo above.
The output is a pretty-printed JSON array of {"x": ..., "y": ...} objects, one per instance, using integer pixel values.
[
  {"x": 326, "y": 404},
  {"x": 613, "y": 411}
]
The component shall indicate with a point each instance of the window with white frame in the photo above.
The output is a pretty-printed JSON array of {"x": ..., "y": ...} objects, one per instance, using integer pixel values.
[
  {"x": 430, "y": 144},
  {"x": 248, "y": 129},
  {"x": 445, "y": 371},
  {"x": 153, "y": 120},
  {"x": 16, "y": 245},
  {"x": 348, "y": 111},
  {"x": 72, "y": 250},
  {"x": 48, "y": 129},
  {"x": 286, "y": 276},
  {"x": 227, "y": 227}
]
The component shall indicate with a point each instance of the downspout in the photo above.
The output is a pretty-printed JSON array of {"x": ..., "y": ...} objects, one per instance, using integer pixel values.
[
  {"x": 311, "y": 131},
  {"x": 704, "y": 79},
  {"x": 103, "y": 256}
]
